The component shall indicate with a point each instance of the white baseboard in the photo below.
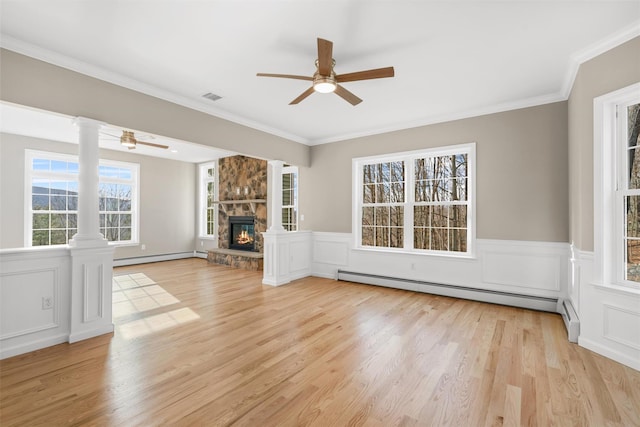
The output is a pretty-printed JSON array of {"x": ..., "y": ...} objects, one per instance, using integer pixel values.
[
  {"x": 610, "y": 353},
  {"x": 155, "y": 258},
  {"x": 201, "y": 254},
  {"x": 107, "y": 329},
  {"x": 27, "y": 347}
]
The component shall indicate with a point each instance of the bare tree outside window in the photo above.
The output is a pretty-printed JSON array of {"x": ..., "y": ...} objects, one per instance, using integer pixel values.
[
  {"x": 440, "y": 212},
  {"x": 632, "y": 201},
  {"x": 115, "y": 211},
  {"x": 383, "y": 196},
  {"x": 417, "y": 201}
]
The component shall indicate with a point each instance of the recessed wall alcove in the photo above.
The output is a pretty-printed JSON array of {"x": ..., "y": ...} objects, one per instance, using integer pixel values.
[{"x": 242, "y": 192}]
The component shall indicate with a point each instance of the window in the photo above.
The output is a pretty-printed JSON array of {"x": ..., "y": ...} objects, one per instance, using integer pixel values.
[
  {"x": 208, "y": 197},
  {"x": 419, "y": 201},
  {"x": 628, "y": 192},
  {"x": 52, "y": 199},
  {"x": 617, "y": 188},
  {"x": 290, "y": 198},
  {"x": 116, "y": 188}
]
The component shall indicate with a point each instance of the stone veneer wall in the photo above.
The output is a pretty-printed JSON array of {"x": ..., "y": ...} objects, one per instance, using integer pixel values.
[
  {"x": 242, "y": 172},
  {"x": 238, "y": 261}
]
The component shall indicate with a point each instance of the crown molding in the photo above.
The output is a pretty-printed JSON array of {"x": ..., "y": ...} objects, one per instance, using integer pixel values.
[
  {"x": 51, "y": 57},
  {"x": 442, "y": 118},
  {"x": 596, "y": 49}
]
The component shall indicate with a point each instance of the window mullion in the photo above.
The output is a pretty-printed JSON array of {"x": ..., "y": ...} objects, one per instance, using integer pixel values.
[{"x": 409, "y": 200}]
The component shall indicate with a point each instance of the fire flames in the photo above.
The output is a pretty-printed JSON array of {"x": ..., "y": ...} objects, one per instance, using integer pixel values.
[{"x": 244, "y": 238}]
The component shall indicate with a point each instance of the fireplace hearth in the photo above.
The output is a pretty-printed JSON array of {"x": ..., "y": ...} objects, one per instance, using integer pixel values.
[{"x": 242, "y": 234}]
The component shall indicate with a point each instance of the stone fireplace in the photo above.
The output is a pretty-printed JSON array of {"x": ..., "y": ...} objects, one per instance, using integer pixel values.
[
  {"x": 242, "y": 193},
  {"x": 242, "y": 235}
]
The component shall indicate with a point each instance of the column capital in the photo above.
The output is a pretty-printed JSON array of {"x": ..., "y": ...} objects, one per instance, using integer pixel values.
[
  {"x": 276, "y": 163},
  {"x": 82, "y": 122}
]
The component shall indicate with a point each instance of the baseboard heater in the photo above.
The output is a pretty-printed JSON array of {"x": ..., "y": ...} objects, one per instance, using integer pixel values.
[
  {"x": 456, "y": 291},
  {"x": 570, "y": 318},
  {"x": 153, "y": 258},
  {"x": 554, "y": 305}
]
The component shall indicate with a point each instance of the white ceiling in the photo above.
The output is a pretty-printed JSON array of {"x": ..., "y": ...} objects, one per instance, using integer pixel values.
[{"x": 452, "y": 59}]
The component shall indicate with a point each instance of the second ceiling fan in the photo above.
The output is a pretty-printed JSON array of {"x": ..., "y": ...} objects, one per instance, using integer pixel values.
[
  {"x": 325, "y": 80},
  {"x": 129, "y": 140}
]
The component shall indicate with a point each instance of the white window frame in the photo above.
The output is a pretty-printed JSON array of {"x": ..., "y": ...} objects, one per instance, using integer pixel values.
[
  {"x": 30, "y": 174},
  {"x": 409, "y": 202},
  {"x": 135, "y": 197},
  {"x": 610, "y": 188},
  {"x": 203, "y": 180},
  {"x": 292, "y": 170}
]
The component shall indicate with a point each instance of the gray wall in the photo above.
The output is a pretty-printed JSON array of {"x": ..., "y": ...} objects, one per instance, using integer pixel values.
[
  {"x": 34, "y": 83},
  {"x": 167, "y": 195},
  {"x": 615, "y": 69},
  {"x": 522, "y": 178}
]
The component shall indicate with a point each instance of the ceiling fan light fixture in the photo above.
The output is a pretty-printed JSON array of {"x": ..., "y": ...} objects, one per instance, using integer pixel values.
[
  {"x": 324, "y": 84},
  {"x": 127, "y": 139}
]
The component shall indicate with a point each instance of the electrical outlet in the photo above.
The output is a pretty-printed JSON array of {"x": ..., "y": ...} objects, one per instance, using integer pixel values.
[
  {"x": 143, "y": 247},
  {"x": 201, "y": 243},
  {"x": 47, "y": 303}
]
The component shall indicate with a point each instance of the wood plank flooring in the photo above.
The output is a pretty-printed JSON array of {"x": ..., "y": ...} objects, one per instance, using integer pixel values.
[{"x": 199, "y": 344}]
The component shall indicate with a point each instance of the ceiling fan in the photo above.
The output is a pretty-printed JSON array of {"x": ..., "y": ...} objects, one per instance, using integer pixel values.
[
  {"x": 325, "y": 80},
  {"x": 129, "y": 140}
]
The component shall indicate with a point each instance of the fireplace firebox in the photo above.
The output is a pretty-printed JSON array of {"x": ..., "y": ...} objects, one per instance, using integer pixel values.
[{"x": 242, "y": 234}]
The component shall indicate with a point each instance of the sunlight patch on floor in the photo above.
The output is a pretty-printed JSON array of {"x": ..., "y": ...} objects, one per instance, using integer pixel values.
[
  {"x": 156, "y": 323},
  {"x": 137, "y": 293}
]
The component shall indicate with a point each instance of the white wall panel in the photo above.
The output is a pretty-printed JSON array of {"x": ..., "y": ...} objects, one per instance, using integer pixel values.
[
  {"x": 26, "y": 278},
  {"x": 22, "y": 294},
  {"x": 531, "y": 268},
  {"x": 621, "y": 325},
  {"x": 523, "y": 270},
  {"x": 609, "y": 315}
]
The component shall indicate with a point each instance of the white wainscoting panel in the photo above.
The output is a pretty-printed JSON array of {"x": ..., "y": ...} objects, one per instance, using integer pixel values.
[
  {"x": 609, "y": 315},
  {"x": 24, "y": 313},
  {"x": 287, "y": 256},
  {"x": 29, "y": 276},
  {"x": 330, "y": 252},
  {"x": 93, "y": 290},
  {"x": 300, "y": 254},
  {"x": 617, "y": 322},
  {"x": 529, "y": 268}
]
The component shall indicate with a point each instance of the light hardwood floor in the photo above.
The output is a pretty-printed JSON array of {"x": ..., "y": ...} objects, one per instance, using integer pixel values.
[{"x": 199, "y": 344}]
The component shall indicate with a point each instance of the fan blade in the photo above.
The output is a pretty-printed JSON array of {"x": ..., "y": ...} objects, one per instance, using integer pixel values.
[
  {"x": 285, "y": 76},
  {"x": 151, "y": 144},
  {"x": 302, "y": 96},
  {"x": 325, "y": 56},
  {"x": 347, "y": 96},
  {"x": 378, "y": 73}
]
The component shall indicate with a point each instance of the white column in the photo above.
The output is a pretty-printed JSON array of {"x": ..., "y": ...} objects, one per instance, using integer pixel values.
[
  {"x": 89, "y": 157},
  {"x": 91, "y": 256},
  {"x": 274, "y": 194}
]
